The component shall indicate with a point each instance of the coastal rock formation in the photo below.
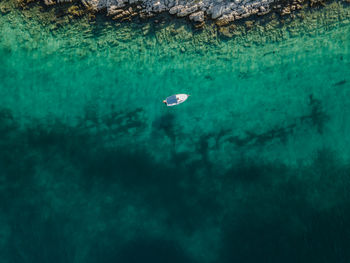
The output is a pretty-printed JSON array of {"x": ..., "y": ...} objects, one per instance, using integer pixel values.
[
  {"x": 223, "y": 11},
  {"x": 197, "y": 17}
]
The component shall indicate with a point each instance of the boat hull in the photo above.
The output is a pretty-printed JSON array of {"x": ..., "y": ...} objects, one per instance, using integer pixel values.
[{"x": 176, "y": 99}]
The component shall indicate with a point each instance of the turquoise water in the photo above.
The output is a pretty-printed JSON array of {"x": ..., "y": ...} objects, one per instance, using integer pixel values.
[{"x": 254, "y": 167}]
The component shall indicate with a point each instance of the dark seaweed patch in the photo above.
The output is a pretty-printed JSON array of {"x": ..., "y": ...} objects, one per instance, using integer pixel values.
[
  {"x": 165, "y": 124},
  {"x": 269, "y": 53},
  {"x": 340, "y": 83},
  {"x": 35, "y": 238},
  {"x": 267, "y": 212},
  {"x": 279, "y": 222},
  {"x": 142, "y": 250},
  {"x": 317, "y": 118}
]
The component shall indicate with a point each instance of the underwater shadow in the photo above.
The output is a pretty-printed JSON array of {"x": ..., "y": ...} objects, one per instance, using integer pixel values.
[
  {"x": 143, "y": 249},
  {"x": 165, "y": 124}
]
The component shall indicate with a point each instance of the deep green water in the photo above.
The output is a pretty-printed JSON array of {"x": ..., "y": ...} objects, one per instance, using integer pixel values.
[{"x": 254, "y": 167}]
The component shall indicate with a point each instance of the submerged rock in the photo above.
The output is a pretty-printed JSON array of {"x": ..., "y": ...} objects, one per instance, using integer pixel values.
[
  {"x": 49, "y": 2},
  {"x": 4, "y": 10},
  {"x": 75, "y": 11},
  {"x": 224, "y": 20},
  {"x": 114, "y": 10}
]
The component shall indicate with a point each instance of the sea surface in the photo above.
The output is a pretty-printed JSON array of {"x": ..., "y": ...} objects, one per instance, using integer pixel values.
[{"x": 253, "y": 167}]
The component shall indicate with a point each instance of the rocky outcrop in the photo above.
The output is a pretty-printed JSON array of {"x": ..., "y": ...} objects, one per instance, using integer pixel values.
[{"x": 223, "y": 11}]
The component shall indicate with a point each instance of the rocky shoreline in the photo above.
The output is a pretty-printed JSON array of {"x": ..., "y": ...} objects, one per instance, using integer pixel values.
[
  {"x": 282, "y": 21},
  {"x": 221, "y": 11}
]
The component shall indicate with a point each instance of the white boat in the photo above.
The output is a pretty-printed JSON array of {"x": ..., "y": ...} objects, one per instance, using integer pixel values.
[{"x": 175, "y": 99}]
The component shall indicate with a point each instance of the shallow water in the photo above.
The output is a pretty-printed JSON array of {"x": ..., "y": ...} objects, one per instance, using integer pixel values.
[{"x": 254, "y": 167}]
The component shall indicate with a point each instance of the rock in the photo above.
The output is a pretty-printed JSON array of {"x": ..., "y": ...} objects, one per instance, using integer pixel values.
[
  {"x": 216, "y": 12},
  {"x": 197, "y": 16},
  {"x": 75, "y": 11},
  {"x": 117, "y": 17},
  {"x": 86, "y": 3},
  {"x": 127, "y": 18},
  {"x": 91, "y": 4},
  {"x": 224, "y": 20},
  {"x": 223, "y": 11},
  {"x": 249, "y": 24},
  {"x": 159, "y": 7},
  {"x": 114, "y": 10},
  {"x": 245, "y": 15},
  {"x": 225, "y": 31},
  {"x": 187, "y": 10},
  {"x": 254, "y": 11},
  {"x": 261, "y": 13},
  {"x": 49, "y": 2},
  {"x": 199, "y": 25},
  {"x": 4, "y": 10},
  {"x": 175, "y": 9},
  {"x": 231, "y": 6},
  {"x": 120, "y": 3},
  {"x": 124, "y": 14},
  {"x": 285, "y": 11},
  {"x": 145, "y": 15}
]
